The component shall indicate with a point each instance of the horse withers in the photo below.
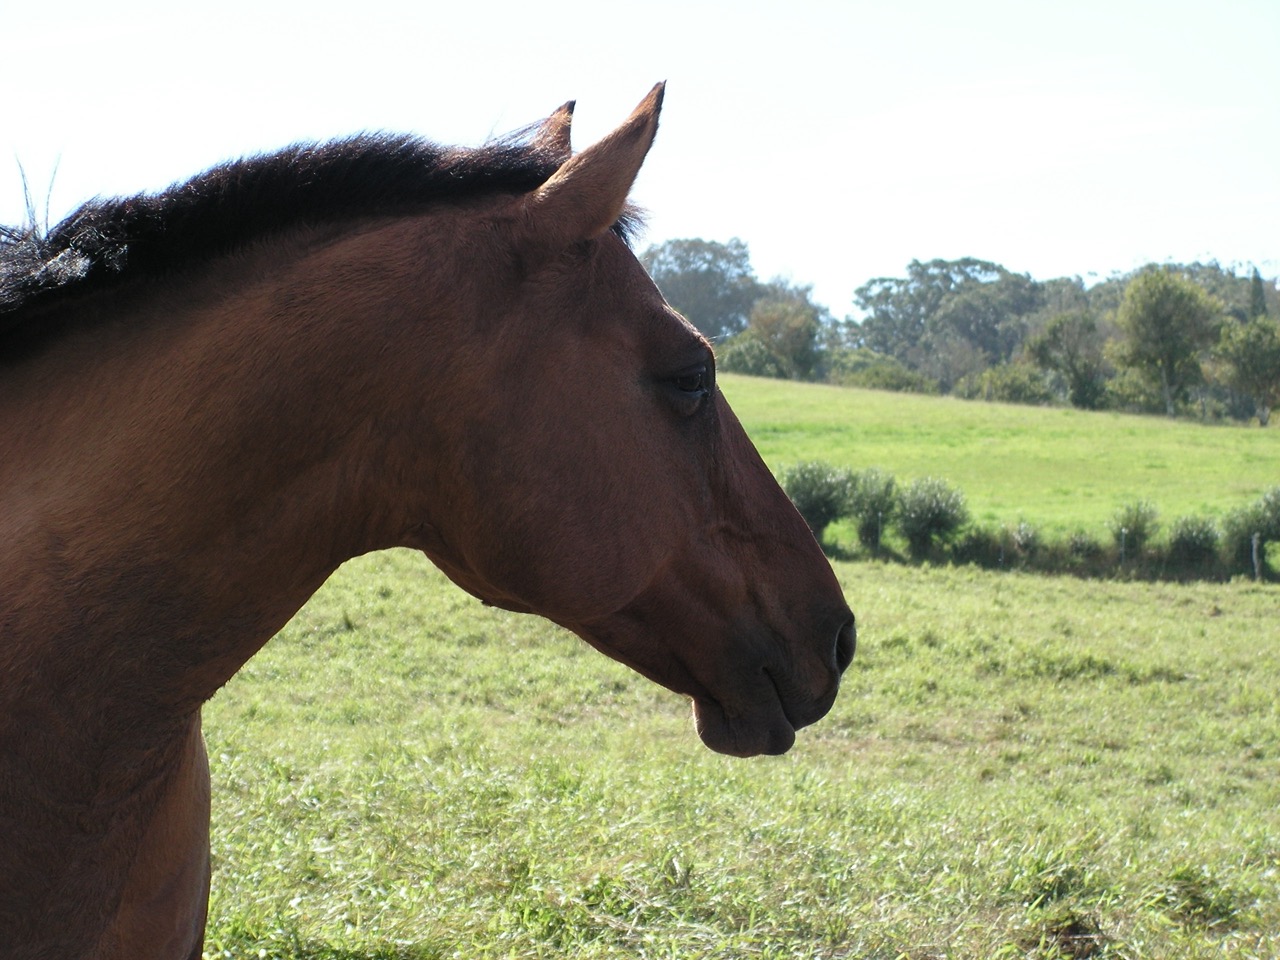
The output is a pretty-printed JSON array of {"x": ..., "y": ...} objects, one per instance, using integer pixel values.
[{"x": 212, "y": 396}]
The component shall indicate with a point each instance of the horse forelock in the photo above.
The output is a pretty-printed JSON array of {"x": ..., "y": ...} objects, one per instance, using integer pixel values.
[{"x": 107, "y": 242}]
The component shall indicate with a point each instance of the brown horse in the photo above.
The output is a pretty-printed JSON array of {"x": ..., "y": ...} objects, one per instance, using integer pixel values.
[{"x": 213, "y": 396}]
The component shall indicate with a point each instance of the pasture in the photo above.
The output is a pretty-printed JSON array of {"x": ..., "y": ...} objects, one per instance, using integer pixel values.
[
  {"x": 1059, "y": 469},
  {"x": 1016, "y": 767}
]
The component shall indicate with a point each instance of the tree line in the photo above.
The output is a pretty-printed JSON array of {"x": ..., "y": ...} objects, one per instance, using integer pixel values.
[{"x": 1184, "y": 339}]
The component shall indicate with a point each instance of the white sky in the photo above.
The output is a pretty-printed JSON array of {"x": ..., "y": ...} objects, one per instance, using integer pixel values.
[{"x": 840, "y": 140}]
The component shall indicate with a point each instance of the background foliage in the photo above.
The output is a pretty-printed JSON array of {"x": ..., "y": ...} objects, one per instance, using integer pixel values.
[{"x": 1194, "y": 340}]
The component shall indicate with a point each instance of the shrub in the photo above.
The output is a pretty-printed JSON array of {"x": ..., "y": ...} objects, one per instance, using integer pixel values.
[
  {"x": 1128, "y": 390},
  {"x": 819, "y": 491},
  {"x": 1193, "y": 541},
  {"x": 1006, "y": 383},
  {"x": 1133, "y": 526},
  {"x": 929, "y": 510},
  {"x": 1269, "y": 509},
  {"x": 1026, "y": 538},
  {"x": 875, "y": 371},
  {"x": 749, "y": 355},
  {"x": 1262, "y": 517},
  {"x": 1238, "y": 528},
  {"x": 1084, "y": 545},
  {"x": 872, "y": 501},
  {"x": 981, "y": 546}
]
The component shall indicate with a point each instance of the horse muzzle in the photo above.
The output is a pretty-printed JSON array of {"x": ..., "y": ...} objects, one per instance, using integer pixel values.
[{"x": 763, "y": 715}]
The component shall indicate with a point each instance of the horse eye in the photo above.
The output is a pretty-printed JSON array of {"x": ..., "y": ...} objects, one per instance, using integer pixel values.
[
  {"x": 693, "y": 381},
  {"x": 690, "y": 382}
]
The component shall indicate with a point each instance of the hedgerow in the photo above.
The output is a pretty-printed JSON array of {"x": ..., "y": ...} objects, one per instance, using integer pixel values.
[{"x": 931, "y": 521}]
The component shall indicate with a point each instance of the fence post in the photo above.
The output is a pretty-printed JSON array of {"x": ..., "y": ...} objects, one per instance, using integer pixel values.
[{"x": 1256, "y": 540}]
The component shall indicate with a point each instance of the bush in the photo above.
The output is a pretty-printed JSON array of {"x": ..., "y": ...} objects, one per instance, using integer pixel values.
[
  {"x": 1128, "y": 390},
  {"x": 1006, "y": 383},
  {"x": 819, "y": 491},
  {"x": 1238, "y": 528},
  {"x": 747, "y": 354},
  {"x": 1261, "y": 517},
  {"x": 1193, "y": 541},
  {"x": 1084, "y": 545},
  {"x": 875, "y": 371},
  {"x": 981, "y": 546},
  {"x": 872, "y": 501},
  {"x": 1133, "y": 526},
  {"x": 1026, "y": 538},
  {"x": 929, "y": 510},
  {"x": 1268, "y": 507}
]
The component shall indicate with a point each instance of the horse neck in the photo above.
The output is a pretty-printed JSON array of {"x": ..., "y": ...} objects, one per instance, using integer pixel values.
[{"x": 180, "y": 488}]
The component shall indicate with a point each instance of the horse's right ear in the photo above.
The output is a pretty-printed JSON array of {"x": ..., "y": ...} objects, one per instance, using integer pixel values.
[{"x": 586, "y": 196}]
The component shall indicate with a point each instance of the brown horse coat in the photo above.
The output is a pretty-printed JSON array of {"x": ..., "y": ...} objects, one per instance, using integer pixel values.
[{"x": 188, "y": 450}]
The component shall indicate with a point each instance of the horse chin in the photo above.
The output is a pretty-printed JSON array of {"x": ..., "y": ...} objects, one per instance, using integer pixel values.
[{"x": 767, "y": 732}]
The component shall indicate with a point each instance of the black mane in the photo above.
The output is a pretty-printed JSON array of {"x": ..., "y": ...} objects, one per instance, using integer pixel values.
[{"x": 106, "y": 242}]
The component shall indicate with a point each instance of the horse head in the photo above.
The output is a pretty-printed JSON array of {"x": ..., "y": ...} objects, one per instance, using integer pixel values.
[{"x": 600, "y": 478}]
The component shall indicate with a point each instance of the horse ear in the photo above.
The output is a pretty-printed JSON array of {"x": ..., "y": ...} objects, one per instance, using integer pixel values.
[
  {"x": 553, "y": 134},
  {"x": 586, "y": 196}
]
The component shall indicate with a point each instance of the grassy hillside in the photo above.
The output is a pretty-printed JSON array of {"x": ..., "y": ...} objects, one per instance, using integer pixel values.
[
  {"x": 1060, "y": 469},
  {"x": 1016, "y": 767}
]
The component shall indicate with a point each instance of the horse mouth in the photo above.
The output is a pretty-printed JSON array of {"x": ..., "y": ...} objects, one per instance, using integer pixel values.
[
  {"x": 750, "y": 711},
  {"x": 741, "y": 736},
  {"x": 768, "y": 728}
]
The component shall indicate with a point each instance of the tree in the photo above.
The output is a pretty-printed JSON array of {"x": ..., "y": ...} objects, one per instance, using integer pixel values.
[
  {"x": 1062, "y": 295},
  {"x": 743, "y": 353},
  {"x": 899, "y": 309},
  {"x": 989, "y": 314},
  {"x": 946, "y": 358},
  {"x": 1257, "y": 296},
  {"x": 948, "y": 318},
  {"x": 1251, "y": 352},
  {"x": 1232, "y": 293},
  {"x": 785, "y": 336},
  {"x": 711, "y": 283},
  {"x": 790, "y": 324},
  {"x": 1167, "y": 319},
  {"x": 1071, "y": 347}
]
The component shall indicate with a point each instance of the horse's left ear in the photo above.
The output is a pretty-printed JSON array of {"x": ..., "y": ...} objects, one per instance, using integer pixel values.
[
  {"x": 553, "y": 133},
  {"x": 586, "y": 196}
]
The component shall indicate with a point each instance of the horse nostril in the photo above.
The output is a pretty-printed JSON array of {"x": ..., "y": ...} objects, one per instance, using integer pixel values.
[{"x": 846, "y": 642}]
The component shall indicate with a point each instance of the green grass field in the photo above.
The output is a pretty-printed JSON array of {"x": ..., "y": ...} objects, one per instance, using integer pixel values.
[
  {"x": 1059, "y": 469},
  {"x": 1018, "y": 766}
]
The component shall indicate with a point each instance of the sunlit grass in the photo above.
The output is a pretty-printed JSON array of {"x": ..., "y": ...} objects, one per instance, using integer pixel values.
[{"x": 1016, "y": 767}]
